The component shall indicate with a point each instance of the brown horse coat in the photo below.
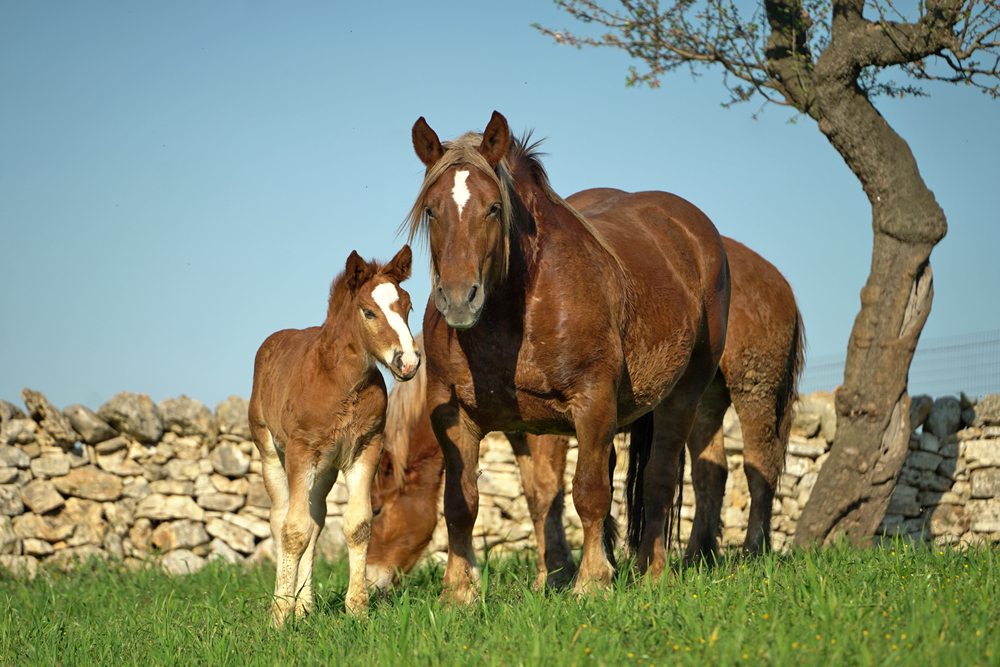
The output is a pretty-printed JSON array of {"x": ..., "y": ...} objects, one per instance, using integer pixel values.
[
  {"x": 759, "y": 372},
  {"x": 546, "y": 321},
  {"x": 318, "y": 407}
]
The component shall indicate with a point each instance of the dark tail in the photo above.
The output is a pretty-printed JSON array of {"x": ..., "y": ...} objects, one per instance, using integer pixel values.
[
  {"x": 788, "y": 389},
  {"x": 640, "y": 446},
  {"x": 610, "y": 532}
]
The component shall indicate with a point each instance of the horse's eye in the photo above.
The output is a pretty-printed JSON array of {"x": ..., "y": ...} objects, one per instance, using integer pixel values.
[
  {"x": 428, "y": 212},
  {"x": 495, "y": 209},
  {"x": 369, "y": 314}
]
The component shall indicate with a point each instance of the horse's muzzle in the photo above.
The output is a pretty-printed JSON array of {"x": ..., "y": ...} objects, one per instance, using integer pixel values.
[
  {"x": 405, "y": 364},
  {"x": 460, "y": 308}
]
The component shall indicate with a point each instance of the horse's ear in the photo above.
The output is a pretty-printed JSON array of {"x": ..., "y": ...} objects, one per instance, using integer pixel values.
[
  {"x": 357, "y": 272},
  {"x": 496, "y": 140},
  {"x": 426, "y": 143},
  {"x": 399, "y": 267}
]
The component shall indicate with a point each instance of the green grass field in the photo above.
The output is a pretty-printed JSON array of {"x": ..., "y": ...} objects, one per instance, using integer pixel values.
[{"x": 838, "y": 606}]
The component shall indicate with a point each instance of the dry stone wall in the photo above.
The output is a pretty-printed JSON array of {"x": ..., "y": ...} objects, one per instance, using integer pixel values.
[{"x": 176, "y": 485}]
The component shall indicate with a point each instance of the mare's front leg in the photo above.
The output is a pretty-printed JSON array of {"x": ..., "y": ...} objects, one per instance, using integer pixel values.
[
  {"x": 592, "y": 492},
  {"x": 358, "y": 521},
  {"x": 459, "y": 439},
  {"x": 542, "y": 462}
]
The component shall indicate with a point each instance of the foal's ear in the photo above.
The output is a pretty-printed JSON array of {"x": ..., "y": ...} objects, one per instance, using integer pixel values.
[
  {"x": 399, "y": 267},
  {"x": 426, "y": 143},
  {"x": 357, "y": 273},
  {"x": 496, "y": 140}
]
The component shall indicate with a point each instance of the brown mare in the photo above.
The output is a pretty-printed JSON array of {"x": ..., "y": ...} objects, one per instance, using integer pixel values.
[
  {"x": 318, "y": 407},
  {"x": 546, "y": 321},
  {"x": 758, "y": 373}
]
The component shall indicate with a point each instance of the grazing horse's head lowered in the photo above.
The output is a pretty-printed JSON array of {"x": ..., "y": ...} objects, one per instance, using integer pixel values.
[
  {"x": 382, "y": 307},
  {"x": 465, "y": 205}
]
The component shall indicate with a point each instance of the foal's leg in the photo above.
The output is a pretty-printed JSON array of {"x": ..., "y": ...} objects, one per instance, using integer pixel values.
[
  {"x": 295, "y": 532},
  {"x": 358, "y": 521},
  {"x": 276, "y": 483},
  {"x": 592, "y": 493},
  {"x": 542, "y": 461},
  {"x": 708, "y": 471},
  {"x": 317, "y": 514},
  {"x": 459, "y": 440}
]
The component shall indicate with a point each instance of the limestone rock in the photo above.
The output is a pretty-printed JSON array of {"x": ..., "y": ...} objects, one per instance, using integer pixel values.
[
  {"x": 19, "y": 431},
  {"x": 92, "y": 429},
  {"x": 239, "y": 539},
  {"x": 821, "y": 403},
  {"x": 20, "y": 566},
  {"x": 133, "y": 414},
  {"x": 183, "y": 534},
  {"x": 10, "y": 411},
  {"x": 222, "y": 551},
  {"x": 70, "y": 558},
  {"x": 8, "y": 539},
  {"x": 10, "y": 500},
  {"x": 112, "y": 446},
  {"x": 49, "y": 418},
  {"x": 13, "y": 457},
  {"x": 37, "y": 527},
  {"x": 258, "y": 527},
  {"x": 120, "y": 464},
  {"x": 89, "y": 483},
  {"x": 138, "y": 489},
  {"x": 187, "y": 416},
  {"x": 920, "y": 409},
  {"x": 904, "y": 501},
  {"x": 231, "y": 416},
  {"x": 181, "y": 562},
  {"x": 988, "y": 411},
  {"x": 985, "y": 483},
  {"x": 265, "y": 551},
  {"x": 52, "y": 465},
  {"x": 182, "y": 470},
  {"x": 172, "y": 487},
  {"x": 257, "y": 495},
  {"x": 41, "y": 496},
  {"x": 162, "y": 508},
  {"x": 945, "y": 417},
  {"x": 229, "y": 461},
  {"x": 220, "y": 502}
]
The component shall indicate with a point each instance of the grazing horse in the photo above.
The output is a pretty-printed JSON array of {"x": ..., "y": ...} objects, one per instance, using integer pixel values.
[
  {"x": 758, "y": 373},
  {"x": 318, "y": 407},
  {"x": 546, "y": 321}
]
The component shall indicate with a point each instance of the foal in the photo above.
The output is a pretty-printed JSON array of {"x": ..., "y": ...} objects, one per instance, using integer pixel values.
[{"x": 318, "y": 407}]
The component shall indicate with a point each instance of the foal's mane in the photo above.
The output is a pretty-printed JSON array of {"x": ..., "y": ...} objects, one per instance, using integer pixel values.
[
  {"x": 407, "y": 404},
  {"x": 522, "y": 154}
]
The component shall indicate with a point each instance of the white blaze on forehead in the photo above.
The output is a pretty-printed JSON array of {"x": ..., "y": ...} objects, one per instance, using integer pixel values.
[
  {"x": 385, "y": 295},
  {"x": 460, "y": 192}
]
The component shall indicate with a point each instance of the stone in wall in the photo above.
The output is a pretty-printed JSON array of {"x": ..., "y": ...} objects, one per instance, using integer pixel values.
[{"x": 133, "y": 414}]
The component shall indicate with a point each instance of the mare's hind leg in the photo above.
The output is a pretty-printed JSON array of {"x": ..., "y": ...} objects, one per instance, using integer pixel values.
[
  {"x": 358, "y": 521},
  {"x": 763, "y": 461},
  {"x": 542, "y": 461},
  {"x": 459, "y": 440},
  {"x": 708, "y": 472}
]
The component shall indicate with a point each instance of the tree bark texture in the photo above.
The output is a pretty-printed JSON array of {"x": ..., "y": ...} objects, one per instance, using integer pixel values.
[{"x": 873, "y": 408}]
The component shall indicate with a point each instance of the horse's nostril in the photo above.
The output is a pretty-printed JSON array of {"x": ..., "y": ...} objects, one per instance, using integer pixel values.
[{"x": 472, "y": 293}]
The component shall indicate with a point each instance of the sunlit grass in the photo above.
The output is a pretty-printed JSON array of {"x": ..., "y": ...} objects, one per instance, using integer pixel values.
[{"x": 831, "y": 607}]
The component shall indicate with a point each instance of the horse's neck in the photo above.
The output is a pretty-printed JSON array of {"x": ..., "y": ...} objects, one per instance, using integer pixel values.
[{"x": 340, "y": 349}]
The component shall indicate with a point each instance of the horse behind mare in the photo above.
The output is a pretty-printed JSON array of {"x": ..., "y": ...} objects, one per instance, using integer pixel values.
[
  {"x": 758, "y": 374},
  {"x": 318, "y": 407}
]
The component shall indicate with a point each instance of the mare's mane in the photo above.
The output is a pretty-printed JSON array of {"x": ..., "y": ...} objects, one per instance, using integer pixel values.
[
  {"x": 521, "y": 155},
  {"x": 407, "y": 404}
]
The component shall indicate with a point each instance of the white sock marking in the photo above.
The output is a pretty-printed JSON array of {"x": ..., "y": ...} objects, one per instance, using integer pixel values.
[
  {"x": 385, "y": 295},
  {"x": 460, "y": 192}
]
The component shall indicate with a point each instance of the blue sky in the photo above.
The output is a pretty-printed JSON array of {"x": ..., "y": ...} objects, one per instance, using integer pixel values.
[{"x": 179, "y": 180}]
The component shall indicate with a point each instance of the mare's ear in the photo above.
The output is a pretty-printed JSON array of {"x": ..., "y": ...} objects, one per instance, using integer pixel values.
[
  {"x": 399, "y": 267},
  {"x": 426, "y": 143},
  {"x": 496, "y": 140},
  {"x": 357, "y": 273}
]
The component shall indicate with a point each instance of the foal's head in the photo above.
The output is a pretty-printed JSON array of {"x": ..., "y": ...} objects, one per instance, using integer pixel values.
[
  {"x": 381, "y": 308},
  {"x": 465, "y": 203}
]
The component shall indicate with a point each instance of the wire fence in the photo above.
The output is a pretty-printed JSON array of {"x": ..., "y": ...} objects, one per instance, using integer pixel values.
[{"x": 941, "y": 366}]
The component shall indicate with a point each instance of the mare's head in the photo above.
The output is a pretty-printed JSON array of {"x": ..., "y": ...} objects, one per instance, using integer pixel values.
[
  {"x": 381, "y": 308},
  {"x": 464, "y": 204}
]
